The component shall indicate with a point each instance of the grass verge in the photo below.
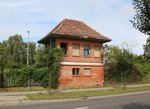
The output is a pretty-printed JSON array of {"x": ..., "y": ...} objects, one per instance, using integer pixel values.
[
  {"x": 16, "y": 89},
  {"x": 67, "y": 95}
]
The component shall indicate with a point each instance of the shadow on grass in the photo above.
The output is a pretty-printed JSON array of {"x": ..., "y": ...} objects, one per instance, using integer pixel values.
[{"x": 136, "y": 106}]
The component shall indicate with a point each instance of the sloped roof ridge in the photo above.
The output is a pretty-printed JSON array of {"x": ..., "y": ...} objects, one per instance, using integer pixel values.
[
  {"x": 91, "y": 28},
  {"x": 58, "y": 26},
  {"x": 54, "y": 29},
  {"x": 102, "y": 36}
]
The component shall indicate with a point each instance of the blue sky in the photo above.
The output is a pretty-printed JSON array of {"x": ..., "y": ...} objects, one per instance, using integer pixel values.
[{"x": 108, "y": 17}]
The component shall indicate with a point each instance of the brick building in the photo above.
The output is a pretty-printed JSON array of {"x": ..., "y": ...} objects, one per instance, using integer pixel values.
[{"x": 82, "y": 64}]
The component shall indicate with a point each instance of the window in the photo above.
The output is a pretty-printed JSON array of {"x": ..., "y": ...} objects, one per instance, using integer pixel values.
[
  {"x": 75, "y": 50},
  {"x": 75, "y": 71},
  {"x": 64, "y": 46},
  {"x": 96, "y": 51},
  {"x": 86, "y": 51},
  {"x": 87, "y": 71}
]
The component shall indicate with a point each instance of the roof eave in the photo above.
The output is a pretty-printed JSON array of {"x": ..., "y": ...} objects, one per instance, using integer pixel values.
[{"x": 46, "y": 39}]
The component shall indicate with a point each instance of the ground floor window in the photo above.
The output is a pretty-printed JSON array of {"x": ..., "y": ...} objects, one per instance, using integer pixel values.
[
  {"x": 75, "y": 71},
  {"x": 87, "y": 71}
]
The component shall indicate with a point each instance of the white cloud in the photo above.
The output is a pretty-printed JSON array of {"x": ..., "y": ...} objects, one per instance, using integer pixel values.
[{"x": 109, "y": 17}]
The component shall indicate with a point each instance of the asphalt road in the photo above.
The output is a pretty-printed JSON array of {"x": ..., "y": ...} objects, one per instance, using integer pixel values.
[{"x": 131, "y": 101}]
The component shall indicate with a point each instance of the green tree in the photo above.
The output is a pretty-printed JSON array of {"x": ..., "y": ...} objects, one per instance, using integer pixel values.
[
  {"x": 48, "y": 58},
  {"x": 147, "y": 50},
  {"x": 41, "y": 56},
  {"x": 55, "y": 57},
  {"x": 15, "y": 51},
  {"x": 141, "y": 20},
  {"x": 119, "y": 65},
  {"x": 3, "y": 62},
  {"x": 32, "y": 52}
]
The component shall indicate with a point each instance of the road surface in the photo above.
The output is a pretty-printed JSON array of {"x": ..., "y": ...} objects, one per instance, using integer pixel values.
[{"x": 129, "y": 101}]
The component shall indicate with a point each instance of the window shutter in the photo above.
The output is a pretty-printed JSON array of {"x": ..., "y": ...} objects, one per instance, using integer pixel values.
[
  {"x": 76, "y": 50},
  {"x": 87, "y": 72},
  {"x": 96, "y": 51}
]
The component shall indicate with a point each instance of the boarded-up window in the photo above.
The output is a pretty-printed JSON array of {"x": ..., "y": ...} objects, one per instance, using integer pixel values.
[
  {"x": 87, "y": 71},
  {"x": 75, "y": 50},
  {"x": 96, "y": 51}
]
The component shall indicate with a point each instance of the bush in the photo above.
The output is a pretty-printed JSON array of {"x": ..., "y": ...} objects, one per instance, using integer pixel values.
[
  {"x": 120, "y": 65},
  {"x": 41, "y": 76},
  {"x": 20, "y": 77},
  {"x": 144, "y": 69},
  {"x": 29, "y": 75}
]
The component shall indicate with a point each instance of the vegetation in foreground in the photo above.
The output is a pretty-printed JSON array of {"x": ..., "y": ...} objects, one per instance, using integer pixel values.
[{"x": 84, "y": 94}]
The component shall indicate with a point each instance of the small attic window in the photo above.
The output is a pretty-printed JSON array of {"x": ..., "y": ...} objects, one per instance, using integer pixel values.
[{"x": 64, "y": 46}]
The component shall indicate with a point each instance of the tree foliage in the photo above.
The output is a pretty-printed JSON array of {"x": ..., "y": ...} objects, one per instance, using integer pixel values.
[
  {"x": 13, "y": 58},
  {"x": 49, "y": 57},
  {"x": 3, "y": 62},
  {"x": 120, "y": 65},
  {"x": 3, "y": 59},
  {"x": 32, "y": 53},
  {"x": 147, "y": 50},
  {"x": 17, "y": 50},
  {"x": 55, "y": 57},
  {"x": 38, "y": 74},
  {"x": 141, "y": 20},
  {"x": 41, "y": 56}
]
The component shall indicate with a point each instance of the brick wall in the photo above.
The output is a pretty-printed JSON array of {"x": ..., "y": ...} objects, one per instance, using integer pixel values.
[
  {"x": 80, "y": 58},
  {"x": 67, "y": 80}
]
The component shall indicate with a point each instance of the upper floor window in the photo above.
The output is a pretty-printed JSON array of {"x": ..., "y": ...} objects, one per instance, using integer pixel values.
[
  {"x": 96, "y": 51},
  {"x": 76, "y": 50},
  {"x": 86, "y": 51},
  {"x": 64, "y": 46}
]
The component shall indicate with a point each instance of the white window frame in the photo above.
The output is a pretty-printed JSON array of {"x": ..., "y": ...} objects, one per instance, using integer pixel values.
[{"x": 75, "y": 71}]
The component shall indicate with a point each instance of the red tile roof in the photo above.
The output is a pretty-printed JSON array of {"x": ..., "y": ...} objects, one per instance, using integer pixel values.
[{"x": 76, "y": 29}]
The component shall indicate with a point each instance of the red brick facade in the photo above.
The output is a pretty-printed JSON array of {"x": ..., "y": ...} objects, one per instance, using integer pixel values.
[
  {"x": 66, "y": 79},
  {"x": 82, "y": 64}
]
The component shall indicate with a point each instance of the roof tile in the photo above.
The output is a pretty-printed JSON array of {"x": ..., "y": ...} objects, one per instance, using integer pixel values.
[{"x": 75, "y": 28}]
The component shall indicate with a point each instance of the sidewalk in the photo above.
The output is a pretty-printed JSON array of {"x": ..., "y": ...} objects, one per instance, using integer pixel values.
[
  {"x": 66, "y": 90},
  {"x": 12, "y": 98}
]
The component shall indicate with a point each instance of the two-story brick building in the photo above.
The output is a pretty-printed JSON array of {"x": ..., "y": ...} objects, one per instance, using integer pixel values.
[{"x": 82, "y": 65}]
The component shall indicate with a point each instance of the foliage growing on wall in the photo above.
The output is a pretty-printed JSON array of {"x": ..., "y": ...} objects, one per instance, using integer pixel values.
[{"x": 55, "y": 57}]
